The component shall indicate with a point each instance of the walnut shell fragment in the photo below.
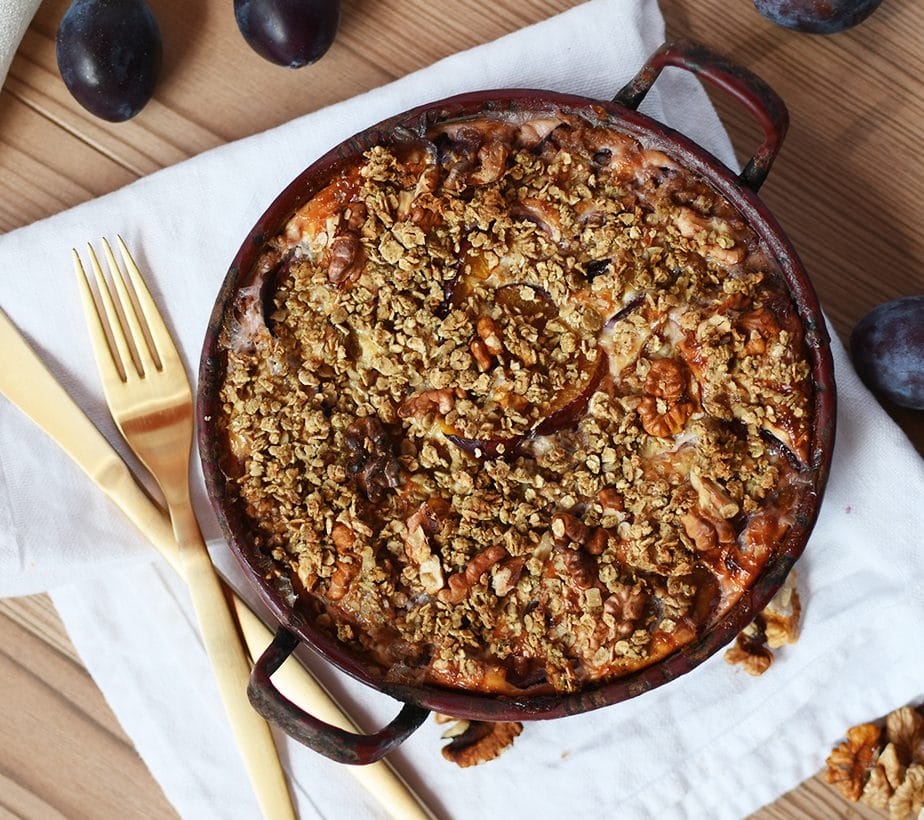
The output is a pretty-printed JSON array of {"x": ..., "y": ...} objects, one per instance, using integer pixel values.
[{"x": 480, "y": 742}]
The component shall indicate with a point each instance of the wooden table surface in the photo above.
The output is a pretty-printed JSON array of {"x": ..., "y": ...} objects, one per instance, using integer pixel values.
[{"x": 848, "y": 187}]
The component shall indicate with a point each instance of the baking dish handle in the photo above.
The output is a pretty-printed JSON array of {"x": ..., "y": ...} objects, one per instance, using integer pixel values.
[
  {"x": 330, "y": 741},
  {"x": 743, "y": 85}
]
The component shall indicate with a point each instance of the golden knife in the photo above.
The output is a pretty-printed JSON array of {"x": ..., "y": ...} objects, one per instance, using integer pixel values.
[{"x": 29, "y": 385}]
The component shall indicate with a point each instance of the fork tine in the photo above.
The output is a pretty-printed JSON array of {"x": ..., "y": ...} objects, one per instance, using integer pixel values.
[
  {"x": 164, "y": 346},
  {"x": 146, "y": 356},
  {"x": 112, "y": 309},
  {"x": 102, "y": 348}
]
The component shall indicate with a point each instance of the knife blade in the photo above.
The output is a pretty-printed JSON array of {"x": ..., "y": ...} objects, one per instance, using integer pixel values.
[{"x": 30, "y": 386}]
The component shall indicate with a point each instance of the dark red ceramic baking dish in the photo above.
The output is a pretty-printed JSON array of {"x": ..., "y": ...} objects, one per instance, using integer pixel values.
[{"x": 739, "y": 189}]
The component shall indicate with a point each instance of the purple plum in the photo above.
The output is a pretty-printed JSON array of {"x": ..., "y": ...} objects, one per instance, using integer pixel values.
[
  {"x": 817, "y": 16},
  {"x": 887, "y": 347}
]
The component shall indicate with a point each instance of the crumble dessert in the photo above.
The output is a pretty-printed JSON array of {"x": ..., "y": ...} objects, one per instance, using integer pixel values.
[{"x": 516, "y": 405}]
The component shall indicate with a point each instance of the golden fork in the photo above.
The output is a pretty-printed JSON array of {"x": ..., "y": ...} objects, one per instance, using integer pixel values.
[{"x": 150, "y": 400}]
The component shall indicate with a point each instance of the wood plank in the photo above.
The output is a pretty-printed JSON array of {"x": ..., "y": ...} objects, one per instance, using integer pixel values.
[
  {"x": 816, "y": 799},
  {"x": 42, "y": 174},
  {"x": 64, "y": 754},
  {"x": 17, "y": 801},
  {"x": 373, "y": 29},
  {"x": 36, "y": 615}
]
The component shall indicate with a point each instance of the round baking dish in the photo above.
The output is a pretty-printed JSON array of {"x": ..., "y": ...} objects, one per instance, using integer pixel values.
[{"x": 739, "y": 189}]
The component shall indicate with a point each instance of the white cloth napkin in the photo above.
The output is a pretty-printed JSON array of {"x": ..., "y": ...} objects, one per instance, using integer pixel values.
[
  {"x": 14, "y": 20},
  {"x": 714, "y": 743}
]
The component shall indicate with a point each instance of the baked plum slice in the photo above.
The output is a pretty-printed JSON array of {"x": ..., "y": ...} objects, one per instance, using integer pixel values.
[{"x": 564, "y": 412}]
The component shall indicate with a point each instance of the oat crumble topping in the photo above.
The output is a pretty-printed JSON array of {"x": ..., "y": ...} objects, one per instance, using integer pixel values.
[{"x": 517, "y": 405}]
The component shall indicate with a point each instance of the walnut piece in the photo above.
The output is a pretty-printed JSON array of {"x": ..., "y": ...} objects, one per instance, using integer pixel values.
[
  {"x": 750, "y": 653},
  {"x": 461, "y": 582},
  {"x": 908, "y": 801},
  {"x": 905, "y": 730},
  {"x": 625, "y": 607},
  {"x": 481, "y": 742},
  {"x": 345, "y": 259},
  {"x": 777, "y": 624},
  {"x": 891, "y": 765},
  {"x": 706, "y": 533},
  {"x": 597, "y": 541},
  {"x": 661, "y": 418},
  {"x": 611, "y": 500},
  {"x": 712, "y": 497},
  {"x": 490, "y": 335},
  {"x": 883, "y": 767},
  {"x": 849, "y": 763},
  {"x": 424, "y": 523},
  {"x": 878, "y": 790},
  {"x": 345, "y": 570},
  {"x": 506, "y": 575},
  {"x": 886, "y": 775},
  {"x": 482, "y": 355},
  {"x": 667, "y": 379},
  {"x": 781, "y": 616},
  {"x": 761, "y": 327},
  {"x": 694, "y": 225},
  {"x": 422, "y": 404},
  {"x": 347, "y": 564},
  {"x": 566, "y": 528},
  {"x": 578, "y": 568}
]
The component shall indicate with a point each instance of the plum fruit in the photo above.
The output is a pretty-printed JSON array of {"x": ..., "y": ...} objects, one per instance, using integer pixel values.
[
  {"x": 887, "y": 347},
  {"x": 291, "y": 33},
  {"x": 109, "y": 54},
  {"x": 817, "y": 16}
]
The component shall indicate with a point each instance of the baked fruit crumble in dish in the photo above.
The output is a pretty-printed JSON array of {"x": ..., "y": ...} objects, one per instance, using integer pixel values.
[{"x": 516, "y": 405}]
